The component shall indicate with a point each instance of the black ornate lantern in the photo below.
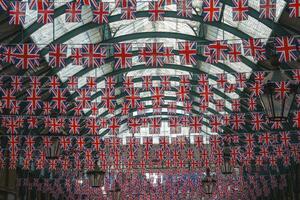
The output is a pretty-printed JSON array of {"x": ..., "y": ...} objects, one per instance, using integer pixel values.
[
  {"x": 277, "y": 108},
  {"x": 54, "y": 150},
  {"x": 116, "y": 192},
  {"x": 226, "y": 168},
  {"x": 209, "y": 183},
  {"x": 96, "y": 177}
]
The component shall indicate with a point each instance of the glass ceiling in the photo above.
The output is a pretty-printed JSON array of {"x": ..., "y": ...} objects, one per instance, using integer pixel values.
[{"x": 252, "y": 27}]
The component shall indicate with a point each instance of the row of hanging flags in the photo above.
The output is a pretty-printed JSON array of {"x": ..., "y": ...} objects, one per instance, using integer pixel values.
[
  {"x": 26, "y": 56},
  {"x": 173, "y": 186},
  {"x": 211, "y": 10},
  {"x": 82, "y": 152}
]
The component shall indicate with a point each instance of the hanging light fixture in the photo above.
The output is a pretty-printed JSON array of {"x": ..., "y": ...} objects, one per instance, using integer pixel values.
[
  {"x": 226, "y": 168},
  {"x": 277, "y": 108},
  {"x": 96, "y": 176},
  {"x": 209, "y": 183},
  {"x": 116, "y": 192},
  {"x": 54, "y": 150}
]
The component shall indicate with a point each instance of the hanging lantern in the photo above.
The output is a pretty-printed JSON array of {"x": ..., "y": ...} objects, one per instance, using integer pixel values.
[
  {"x": 96, "y": 177},
  {"x": 209, "y": 183},
  {"x": 277, "y": 108},
  {"x": 54, "y": 150},
  {"x": 226, "y": 168},
  {"x": 116, "y": 192}
]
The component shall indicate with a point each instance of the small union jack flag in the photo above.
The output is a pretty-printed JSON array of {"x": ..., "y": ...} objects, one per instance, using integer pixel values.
[
  {"x": 152, "y": 54},
  {"x": 93, "y": 55},
  {"x": 57, "y": 55},
  {"x": 240, "y": 10},
  {"x": 46, "y": 13},
  {"x": 3, "y": 5},
  {"x": 211, "y": 10},
  {"x": 123, "y": 55},
  {"x": 184, "y": 8},
  {"x": 17, "y": 12},
  {"x": 128, "y": 13},
  {"x": 294, "y": 7},
  {"x": 286, "y": 47},
  {"x": 101, "y": 12},
  {"x": 267, "y": 9},
  {"x": 187, "y": 52},
  {"x": 155, "y": 124},
  {"x": 76, "y": 56},
  {"x": 34, "y": 100},
  {"x": 73, "y": 12},
  {"x": 7, "y": 54},
  {"x": 282, "y": 89},
  {"x": 156, "y": 11},
  {"x": 255, "y": 48},
  {"x": 234, "y": 52},
  {"x": 26, "y": 56}
]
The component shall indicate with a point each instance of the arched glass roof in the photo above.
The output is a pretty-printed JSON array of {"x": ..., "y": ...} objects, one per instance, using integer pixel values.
[{"x": 141, "y": 31}]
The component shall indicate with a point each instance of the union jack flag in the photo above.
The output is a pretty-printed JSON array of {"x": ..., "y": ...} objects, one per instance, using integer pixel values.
[
  {"x": 294, "y": 7},
  {"x": 216, "y": 123},
  {"x": 156, "y": 11},
  {"x": 17, "y": 12},
  {"x": 155, "y": 125},
  {"x": 240, "y": 10},
  {"x": 46, "y": 12},
  {"x": 234, "y": 52},
  {"x": 211, "y": 10},
  {"x": 72, "y": 83},
  {"x": 34, "y": 100},
  {"x": 108, "y": 97},
  {"x": 257, "y": 121},
  {"x": 7, "y": 54},
  {"x": 93, "y": 55},
  {"x": 134, "y": 125},
  {"x": 282, "y": 89},
  {"x": 184, "y": 8},
  {"x": 73, "y": 12},
  {"x": 114, "y": 125},
  {"x": 218, "y": 50},
  {"x": 123, "y": 55},
  {"x": 267, "y": 9},
  {"x": 26, "y": 56},
  {"x": 187, "y": 52},
  {"x": 59, "y": 99},
  {"x": 76, "y": 56},
  {"x": 101, "y": 12},
  {"x": 132, "y": 97},
  {"x": 169, "y": 55},
  {"x": 255, "y": 48},
  {"x": 237, "y": 121},
  {"x": 57, "y": 55},
  {"x": 93, "y": 126},
  {"x": 147, "y": 82},
  {"x": 222, "y": 80},
  {"x": 240, "y": 79},
  {"x": 16, "y": 83},
  {"x": 3, "y": 5},
  {"x": 157, "y": 95},
  {"x": 152, "y": 54},
  {"x": 206, "y": 93},
  {"x": 128, "y": 13},
  {"x": 286, "y": 47},
  {"x": 195, "y": 124}
]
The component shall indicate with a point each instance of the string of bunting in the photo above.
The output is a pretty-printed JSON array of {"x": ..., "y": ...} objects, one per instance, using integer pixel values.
[
  {"x": 26, "y": 56},
  {"x": 211, "y": 10}
]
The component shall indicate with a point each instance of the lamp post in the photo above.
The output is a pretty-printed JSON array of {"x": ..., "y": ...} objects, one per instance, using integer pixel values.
[
  {"x": 209, "y": 183},
  {"x": 277, "y": 108},
  {"x": 96, "y": 177},
  {"x": 54, "y": 150}
]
